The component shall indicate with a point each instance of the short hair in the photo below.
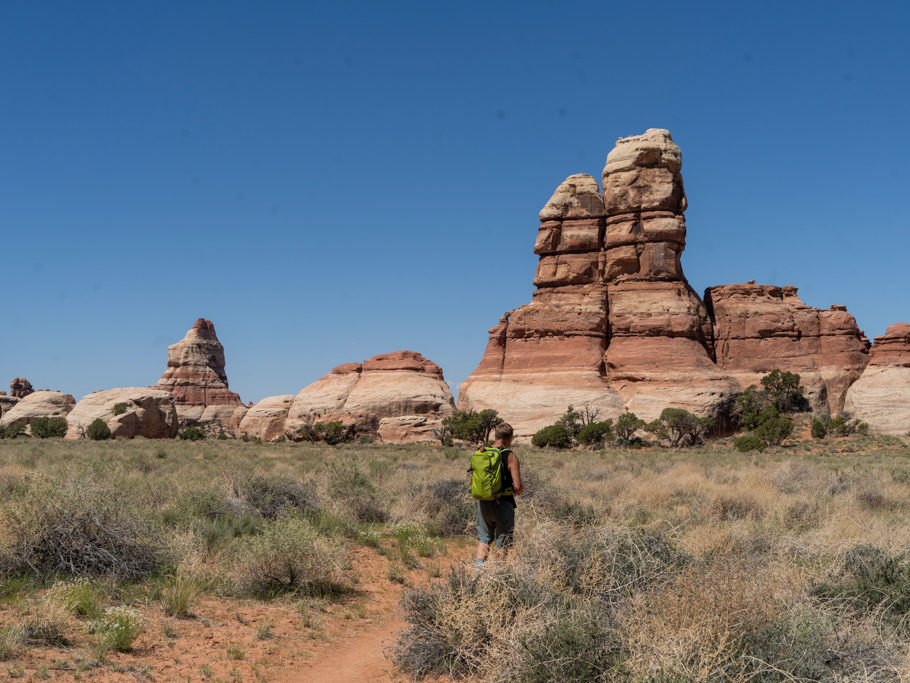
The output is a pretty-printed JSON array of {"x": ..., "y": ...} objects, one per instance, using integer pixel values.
[{"x": 503, "y": 431}]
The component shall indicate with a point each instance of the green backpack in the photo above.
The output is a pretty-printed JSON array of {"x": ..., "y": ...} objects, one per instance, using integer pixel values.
[{"x": 487, "y": 473}]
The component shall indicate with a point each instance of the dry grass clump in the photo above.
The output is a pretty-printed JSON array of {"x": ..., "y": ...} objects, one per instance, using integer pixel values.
[
  {"x": 447, "y": 506},
  {"x": 47, "y": 624},
  {"x": 289, "y": 556}
]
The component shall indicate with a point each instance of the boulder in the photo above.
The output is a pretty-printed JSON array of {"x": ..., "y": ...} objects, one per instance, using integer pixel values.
[
  {"x": 266, "y": 419},
  {"x": 402, "y": 384},
  {"x": 196, "y": 378},
  {"x": 20, "y": 387},
  {"x": 6, "y": 402},
  {"x": 145, "y": 412},
  {"x": 881, "y": 396},
  {"x": 38, "y": 404},
  {"x": 760, "y": 328}
]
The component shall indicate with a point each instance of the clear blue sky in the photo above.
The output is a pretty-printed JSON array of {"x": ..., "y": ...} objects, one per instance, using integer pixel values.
[{"x": 330, "y": 181}]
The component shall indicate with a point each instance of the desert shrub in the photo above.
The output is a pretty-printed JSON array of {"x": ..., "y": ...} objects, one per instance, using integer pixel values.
[
  {"x": 47, "y": 427},
  {"x": 272, "y": 496},
  {"x": 571, "y": 420},
  {"x": 98, "y": 430},
  {"x": 80, "y": 596},
  {"x": 471, "y": 426},
  {"x": 680, "y": 427},
  {"x": 332, "y": 433},
  {"x": 78, "y": 530},
  {"x": 356, "y": 493},
  {"x": 119, "y": 408},
  {"x": 596, "y": 434},
  {"x": 819, "y": 428},
  {"x": 118, "y": 628},
  {"x": 554, "y": 436},
  {"x": 625, "y": 427},
  {"x": 192, "y": 434},
  {"x": 749, "y": 442},
  {"x": 448, "y": 506},
  {"x": 784, "y": 391},
  {"x": 844, "y": 425},
  {"x": 14, "y": 429},
  {"x": 872, "y": 581},
  {"x": 289, "y": 556},
  {"x": 774, "y": 429}
]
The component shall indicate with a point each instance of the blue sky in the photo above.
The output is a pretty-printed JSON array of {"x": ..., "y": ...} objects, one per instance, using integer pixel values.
[{"x": 327, "y": 182}]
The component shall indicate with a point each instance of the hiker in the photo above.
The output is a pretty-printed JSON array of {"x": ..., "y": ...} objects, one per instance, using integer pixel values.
[{"x": 496, "y": 517}]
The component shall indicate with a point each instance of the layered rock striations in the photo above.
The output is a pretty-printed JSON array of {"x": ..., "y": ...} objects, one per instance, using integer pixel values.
[
  {"x": 128, "y": 412},
  {"x": 613, "y": 323},
  {"x": 759, "y": 328},
  {"x": 196, "y": 379},
  {"x": 398, "y": 397},
  {"x": 881, "y": 396},
  {"x": 38, "y": 404}
]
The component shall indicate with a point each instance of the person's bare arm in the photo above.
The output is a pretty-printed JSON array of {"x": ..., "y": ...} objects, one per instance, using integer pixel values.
[{"x": 515, "y": 469}]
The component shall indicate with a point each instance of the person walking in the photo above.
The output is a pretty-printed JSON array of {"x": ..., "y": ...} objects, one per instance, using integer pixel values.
[{"x": 496, "y": 517}]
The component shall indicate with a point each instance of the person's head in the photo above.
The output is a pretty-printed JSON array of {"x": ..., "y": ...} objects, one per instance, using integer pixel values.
[{"x": 503, "y": 433}]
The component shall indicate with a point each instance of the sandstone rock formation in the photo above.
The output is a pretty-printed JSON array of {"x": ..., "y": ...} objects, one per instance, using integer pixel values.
[
  {"x": 398, "y": 396},
  {"x": 881, "y": 396},
  {"x": 195, "y": 377},
  {"x": 266, "y": 419},
  {"x": 145, "y": 412},
  {"x": 20, "y": 387},
  {"x": 613, "y": 323},
  {"x": 759, "y": 328},
  {"x": 38, "y": 404},
  {"x": 6, "y": 402}
]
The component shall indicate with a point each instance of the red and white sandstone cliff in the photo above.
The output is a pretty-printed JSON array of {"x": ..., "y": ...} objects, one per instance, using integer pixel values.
[{"x": 881, "y": 396}]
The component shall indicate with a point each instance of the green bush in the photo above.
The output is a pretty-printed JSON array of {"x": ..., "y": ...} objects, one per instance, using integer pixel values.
[
  {"x": 819, "y": 428},
  {"x": 46, "y": 427},
  {"x": 119, "y": 408},
  {"x": 332, "y": 433},
  {"x": 774, "y": 429},
  {"x": 98, "y": 430},
  {"x": 680, "y": 427},
  {"x": 554, "y": 436},
  {"x": 192, "y": 434},
  {"x": 626, "y": 425},
  {"x": 749, "y": 442},
  {"x": 843, "y": 425},
  {"x": 784, "y": 391},
  {"x": 288, "y": 557},
  {"x": 470, "y": 426},
  {"x": 14, "y": 429},
  {"x": 118, "y": 628},
  {"x": 596, "y": 434}
]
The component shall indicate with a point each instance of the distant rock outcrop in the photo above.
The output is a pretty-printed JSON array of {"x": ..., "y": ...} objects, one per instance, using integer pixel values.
[
  {"x": 20, "y": 387},
  {"x": 38, "y": 404},
  {"x": 759, "y": 328},
  {"x": 398, "y": 396},
  {"x": 881, "y": 396},
  {"x": 266, "y": 419},
  {"x": 196, "y": 378},
  {"x": 613, "y": 324},
  {"x": 129, "y": 412}
]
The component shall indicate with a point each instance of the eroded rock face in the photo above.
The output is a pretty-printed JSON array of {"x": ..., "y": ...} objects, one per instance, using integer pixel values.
[
  {"x": 266, "y": 419},
  {"x": 145, "y": 412},
  {"x": 6, "y": 402},
  {"x": 196, "y": 378},
  {"x": 382, "y": 390},
  {"x": 613, "y": 323},
  {"x": 760, "y": 328},
  {"x": 38, "y": 404},
  {"x": 20, "y": 387},
  {"x": 881, "y": 396}
]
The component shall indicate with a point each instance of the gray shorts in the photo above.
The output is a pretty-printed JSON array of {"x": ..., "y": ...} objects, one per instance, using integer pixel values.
[{"x": 495, "y": 521}]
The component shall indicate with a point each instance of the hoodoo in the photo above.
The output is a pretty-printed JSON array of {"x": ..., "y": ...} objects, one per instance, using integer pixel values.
[
  {"x": 196, "y": 379},
  {"x": 613, "y": 323}
]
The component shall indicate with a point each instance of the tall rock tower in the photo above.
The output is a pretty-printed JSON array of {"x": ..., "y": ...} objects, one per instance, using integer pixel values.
[
  {"x": 613, "y": 323},
  {"x": 195, "y": 377}
]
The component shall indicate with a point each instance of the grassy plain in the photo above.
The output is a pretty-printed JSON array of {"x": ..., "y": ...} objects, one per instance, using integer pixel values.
[{"x": 651, "y": 564}]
